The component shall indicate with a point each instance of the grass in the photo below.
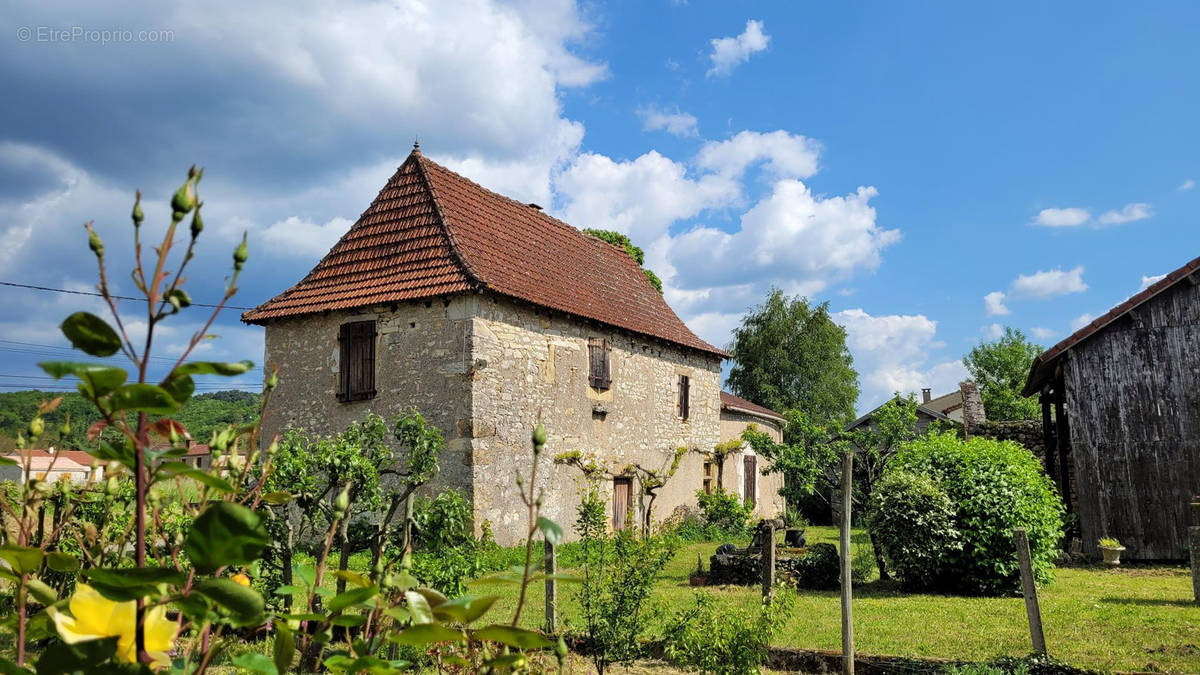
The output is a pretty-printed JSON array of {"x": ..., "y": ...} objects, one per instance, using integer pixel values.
[{"x": 1136, "y": 618}]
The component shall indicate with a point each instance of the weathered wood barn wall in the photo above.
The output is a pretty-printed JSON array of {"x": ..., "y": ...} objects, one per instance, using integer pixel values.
[{"x": 1128, "y": 389}]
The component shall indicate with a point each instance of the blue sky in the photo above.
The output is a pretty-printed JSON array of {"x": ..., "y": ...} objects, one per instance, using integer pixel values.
[{"x": 932, "y": 170}]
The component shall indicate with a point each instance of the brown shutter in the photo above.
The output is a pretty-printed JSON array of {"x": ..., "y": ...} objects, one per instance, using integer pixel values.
[
  {"x": 750, "y": 467},
  {"x": 622, "y": 498},
  {"x": 357, "y": 369},
  {"x": 684, "y": 396},
  {"x": 599, "y": 373}
]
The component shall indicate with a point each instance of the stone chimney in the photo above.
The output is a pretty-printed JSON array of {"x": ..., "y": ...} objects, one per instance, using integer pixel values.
[
  {"x": 926, "y": 395},
  {"x": 973, "y": 413}
]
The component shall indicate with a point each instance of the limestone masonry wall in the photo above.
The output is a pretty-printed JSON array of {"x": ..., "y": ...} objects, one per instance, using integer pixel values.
[{"x": 529, "y": 361}]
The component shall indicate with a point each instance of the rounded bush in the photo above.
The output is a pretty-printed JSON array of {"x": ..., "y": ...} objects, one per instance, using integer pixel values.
[
  {"x": 820, "y": 568},
  {"x": 994, "y": 487},
  {"x": 912, "y": 520}
]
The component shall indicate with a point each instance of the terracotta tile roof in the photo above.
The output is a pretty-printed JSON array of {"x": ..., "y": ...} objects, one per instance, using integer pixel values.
[
  {"x": 432, "y": 233},
  {"x": 739, "y": 404},
  {"x": 1043, "y": 366}
]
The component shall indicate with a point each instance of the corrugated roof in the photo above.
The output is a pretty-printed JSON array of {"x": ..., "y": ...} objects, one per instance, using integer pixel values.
[
  {"x": 432, "y": 233},
  {"x": 1043, "y": 366},
  {"x": 739, "y": 404}
]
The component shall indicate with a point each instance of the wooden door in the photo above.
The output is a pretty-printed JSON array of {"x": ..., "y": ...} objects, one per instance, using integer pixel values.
[
  {"x": 750, "y": 468},
  {"x": 622, "y": 499}
]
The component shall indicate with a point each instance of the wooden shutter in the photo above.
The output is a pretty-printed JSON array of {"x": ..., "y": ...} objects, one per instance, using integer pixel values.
[
  {"x": 622, "y": 498},
  {"x": 599, "y": 373},
  {"x": 684, "y": 396},
  {"x": 750, "y": 467},
  {"x": 356, "y": 371}
]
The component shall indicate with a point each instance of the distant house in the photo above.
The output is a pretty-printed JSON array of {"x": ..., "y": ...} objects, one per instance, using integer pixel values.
[
  {"x": 50, "y": 465},
  {"x": 1121, "y": 417},
  {"x": 925, "y": 417},
  {"x": 743, "y": 470},
  {"x": 485, "y": 314}
]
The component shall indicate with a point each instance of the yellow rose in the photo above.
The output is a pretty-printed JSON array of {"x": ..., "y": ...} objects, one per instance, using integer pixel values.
[
  {"x": 94, "y": 616},
  {"x": 242, "y": 579}
]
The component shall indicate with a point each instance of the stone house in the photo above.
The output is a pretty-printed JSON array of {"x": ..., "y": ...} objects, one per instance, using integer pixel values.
[
  {"x": 743, "y": 471},
  {"x": 485, "y": 313}
]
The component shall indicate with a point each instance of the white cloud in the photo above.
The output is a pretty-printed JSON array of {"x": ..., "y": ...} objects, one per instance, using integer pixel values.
[
  {"x": 1043, "y": 333},
  {"x": 1049, "y": 284},
  {"x": 992, "y": 331},
  {"x": 1081, "y": 321},
  {"x": 786, "y": 155},
  {"x": 1068, "y": 217},
  {"x": 676, "y": 123},
  {"x": 1151, "y": 280},
  {"x": 729, "y": 52},
  {"x": 894, "y": 353},
  {"x": 1128, "y": 214},
  {"x": 994, "y": 303},
  {"x": 1186, "y": 185},
  {"x": 294, "y": 236}
]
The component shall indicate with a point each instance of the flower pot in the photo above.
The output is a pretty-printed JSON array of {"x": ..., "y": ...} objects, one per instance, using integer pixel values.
[
  {"x": 698, "y": 580},
  {"x": 1112, "y": 554},
  {"x": 794, "y": 538}
]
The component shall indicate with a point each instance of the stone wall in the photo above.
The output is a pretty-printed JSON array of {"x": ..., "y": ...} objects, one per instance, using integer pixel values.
[
  {"x": 767, "y": 502},
  {"x": 1026, "y": 432},
  {"x": 422, "y": 360},
  {"x": 529, "y": 362}
]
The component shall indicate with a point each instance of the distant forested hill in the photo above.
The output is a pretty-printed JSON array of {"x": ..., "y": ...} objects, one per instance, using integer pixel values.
[{"x": 202, "y": 414}]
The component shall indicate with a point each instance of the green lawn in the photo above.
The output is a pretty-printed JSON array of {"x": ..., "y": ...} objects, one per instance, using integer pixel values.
[{"x": 1121, "y": 619}]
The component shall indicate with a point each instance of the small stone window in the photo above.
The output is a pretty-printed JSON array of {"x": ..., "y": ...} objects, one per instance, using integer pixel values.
[
  {"x": 683, "y": 406},
  {"x": 356, "y": 367},
  {"x": 710, "y": 476},
  {"x": 599, "y": 371}
]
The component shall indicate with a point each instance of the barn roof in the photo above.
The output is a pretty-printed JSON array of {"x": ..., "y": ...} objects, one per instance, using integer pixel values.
[
  {"x": 1043, "y": 366},
  {"x": 432, "y": 233},
  {"x": 741, "y": 405},
  {"x": 921, "y": 410}
]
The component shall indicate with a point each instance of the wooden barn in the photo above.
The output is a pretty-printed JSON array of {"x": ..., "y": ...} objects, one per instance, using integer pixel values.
[{"x": 1121, "y": 418}]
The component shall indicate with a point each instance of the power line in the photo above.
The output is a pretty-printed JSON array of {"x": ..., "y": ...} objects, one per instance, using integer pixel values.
[
  {"x": 98, "y": 295},
  {"x": 46, "y": 350}
]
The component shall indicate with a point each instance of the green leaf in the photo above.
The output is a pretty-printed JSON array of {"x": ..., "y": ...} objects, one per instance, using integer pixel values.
[
  {"x": 90, "y": 333},
  {"x": 179, "y": 387},
  {"x": 550, "y": 530},
  {"x": 147, "y": 398},
  {"x": 466, "y": 609},
  {"x": 348, "y": 620},
  {"x": 286, "y": 590},
  {"x": 131, "y": 583},
  {"x": 102, "y": 379},
  {"x": 284, "y": 649},
  {"x": 214, "y": 368},
  {"x": 418, "y": 607},
  {"x": 61, "y": 562},
  {"x": 306, "y": 574},
  {"x": 434, "y": 597},
  {"x": 256, "y": 663},
  {"x": 62, "y": 658},
  {"x": 181, "y": 469},
  {"x": 277, "y": 497},
  {"x": 352, "y": 577},
  {"x": 245, "y": 605},
  {"x": 351, "y": 597},
  {"x": 423, "y": 634},
  {"x": 23, "y": 559},
  {"x": 7, "y": 461},
  {"x": 9, "y": 668},
  {"x": 115, "y": 452},
  {"x": 41, "y": 591},
  {"x": 225, "y": 534},
  {"x": 513, "y": 637}
]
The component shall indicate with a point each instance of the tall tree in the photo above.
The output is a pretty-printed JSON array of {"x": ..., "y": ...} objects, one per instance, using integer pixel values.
[
  {"x": 789, "y": 354},
  {"x": 618, "y": 239},
  {"x": 1000, "y": 368}
]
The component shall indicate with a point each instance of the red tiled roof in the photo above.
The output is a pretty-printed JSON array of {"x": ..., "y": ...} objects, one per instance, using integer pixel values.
[
  {"x": 739, "y": 404},
  {"x": 431, "y": 233},
  {"x": 1043, "y": 366}
]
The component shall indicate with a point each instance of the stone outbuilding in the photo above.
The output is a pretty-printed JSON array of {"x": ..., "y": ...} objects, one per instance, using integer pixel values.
[
  {"x": 743, "y": 470},
  {"x": 485, "y": 313}
]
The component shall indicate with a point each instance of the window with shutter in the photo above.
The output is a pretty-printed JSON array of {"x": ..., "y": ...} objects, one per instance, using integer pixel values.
[
  {"x": 599, "y": 373},
  {"x": 356, "y": 370},
  {"x": 684, "y": 396}
]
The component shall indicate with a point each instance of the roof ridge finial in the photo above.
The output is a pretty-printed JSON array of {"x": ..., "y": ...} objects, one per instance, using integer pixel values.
[{"x": 416, "y": 145}]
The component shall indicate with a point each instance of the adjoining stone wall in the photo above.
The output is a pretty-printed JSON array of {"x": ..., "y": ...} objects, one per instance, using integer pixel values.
[
  {"x": 767, "y": 502},
  {"x": 1026, "y": 432},
  {"x": 529, "y": 361},
  {"x": 422, "y": 360}
]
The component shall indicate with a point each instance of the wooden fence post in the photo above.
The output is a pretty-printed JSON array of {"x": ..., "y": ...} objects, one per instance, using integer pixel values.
[
  {"x": 1029, "y": 587},
  {"x": 847, "y": 610},
  {"x": 768, "y": 559},
  {"x": 1194, "y": 545},
  {"x": 551, "y": 590}
]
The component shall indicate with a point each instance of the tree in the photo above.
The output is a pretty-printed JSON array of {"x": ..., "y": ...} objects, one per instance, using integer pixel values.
[
  {"x": 789, "y": 354},
  {"x": 1000, "y": 368},
  {"x": 618, "y": 239}
]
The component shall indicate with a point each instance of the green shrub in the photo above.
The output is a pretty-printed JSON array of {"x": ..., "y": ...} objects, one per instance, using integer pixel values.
[
  {"x": 820, "y": 568},
  {"x": 713, "y": 639},
  {"x": 725, "y": 512},
  {"x": 446, "y": 520},
  {"x": 862, "y": 558},
  {"x": 994, "y": 487},
  {"x": 912, "y": 519}
]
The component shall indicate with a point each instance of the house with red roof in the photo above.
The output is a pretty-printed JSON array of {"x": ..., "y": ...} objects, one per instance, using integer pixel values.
[
  {"x": 1121, "y": 418},
  {"x": 486, "y": 314}
]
